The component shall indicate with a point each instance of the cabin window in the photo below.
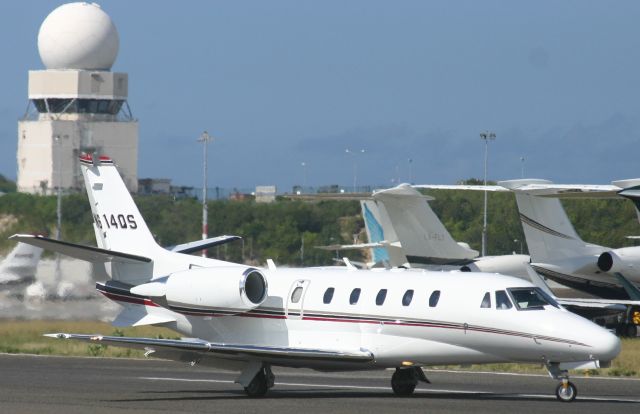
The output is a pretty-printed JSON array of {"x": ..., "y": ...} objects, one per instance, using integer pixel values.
[
  {"x": 328, "y": 295},
  {"x": 502, "y": 300},
  {"x": 296, "y": 294},
  {"x": 382, "y": 295},
  {"x": 408, "y": 296},
  {"x": 531, "y": 298},
  {"x": 434, "y": 298},
  {"x": 355, "y": 295},
  {"x": 486, "y": 301}
]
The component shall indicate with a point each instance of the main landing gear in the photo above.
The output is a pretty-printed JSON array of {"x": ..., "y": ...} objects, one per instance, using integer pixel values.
[
  {"x": 566, "y": 391},
  {"x": 256, "y": 379},
  {"x": 404, "y": 380}
]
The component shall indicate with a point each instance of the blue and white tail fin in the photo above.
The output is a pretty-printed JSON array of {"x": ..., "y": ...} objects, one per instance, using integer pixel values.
[
  {"x": 549, "y": 233},
  {"x": 423, "y": 237},
  {"x": 379, "y": 229}
]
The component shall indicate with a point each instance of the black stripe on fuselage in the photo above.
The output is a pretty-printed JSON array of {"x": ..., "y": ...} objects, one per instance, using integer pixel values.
[
  {"x": 600, "y": 289},
  {"x": 438, "y": 261}
]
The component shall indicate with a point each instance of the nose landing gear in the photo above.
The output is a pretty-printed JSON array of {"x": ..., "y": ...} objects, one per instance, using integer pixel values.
[{"x": 566, "y": 391}]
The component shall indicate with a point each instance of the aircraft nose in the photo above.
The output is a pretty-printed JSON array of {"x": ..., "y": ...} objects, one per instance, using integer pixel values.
[{"x": 606, "y": 346}]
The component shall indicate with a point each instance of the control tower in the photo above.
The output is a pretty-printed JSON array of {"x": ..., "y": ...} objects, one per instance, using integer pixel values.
[{"x": 76, "y": 104}]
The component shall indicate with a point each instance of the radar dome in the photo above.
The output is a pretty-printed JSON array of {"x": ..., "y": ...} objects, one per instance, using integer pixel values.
[{"x": 78, "y": 36}]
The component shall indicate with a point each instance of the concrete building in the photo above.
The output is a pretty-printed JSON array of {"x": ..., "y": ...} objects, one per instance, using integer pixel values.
[{"x": 76, "y": 104}]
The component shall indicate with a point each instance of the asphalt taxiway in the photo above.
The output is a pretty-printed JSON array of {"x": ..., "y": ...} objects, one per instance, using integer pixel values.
[{"x": 38, "y": 384}]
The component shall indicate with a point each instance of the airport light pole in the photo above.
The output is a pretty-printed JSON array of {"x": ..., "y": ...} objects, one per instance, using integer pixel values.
[
  {"x": 355, "y": 165},
  {"x": 304, "y": 175},
  {"x": 58, "y": 145},
  {"x": 205, "y": 138},
  {"x": 486, "y": 137}
]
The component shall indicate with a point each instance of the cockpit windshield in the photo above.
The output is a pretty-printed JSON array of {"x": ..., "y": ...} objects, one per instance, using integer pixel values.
[{"x": 531, "y": 298}]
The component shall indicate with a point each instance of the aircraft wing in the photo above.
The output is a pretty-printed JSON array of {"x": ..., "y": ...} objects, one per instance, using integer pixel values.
[
  {"x": 359, "y": 246},
  {"x": 608, "y": 304},
  {"x": 497, "y": 188},
  {"x": 184, "y": 349},
  {"x": 199, "y": 245},
  {"x": 620, "y": 305},
  {"x": 78, "y": 251}
]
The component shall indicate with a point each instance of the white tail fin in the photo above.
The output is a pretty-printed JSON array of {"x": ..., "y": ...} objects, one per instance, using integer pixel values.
[
  {"x": 550, "y": 235},
  {"x": 118, "y": 223},
  {"x": 20, "y": 265},
  {"x": 422, "y": 235}
]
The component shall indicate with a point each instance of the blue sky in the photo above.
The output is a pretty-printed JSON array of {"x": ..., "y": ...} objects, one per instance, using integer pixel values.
[{"x": 286, "y": 82}]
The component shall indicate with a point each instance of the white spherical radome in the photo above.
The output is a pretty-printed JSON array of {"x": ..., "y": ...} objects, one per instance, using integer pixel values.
[{"x": 78, "y": 36}]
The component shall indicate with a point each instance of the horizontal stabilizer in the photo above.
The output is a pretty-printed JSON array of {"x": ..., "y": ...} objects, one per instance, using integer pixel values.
[
  {"x": 359, "y": 246},
  {"x": 78, "y": 251},
  {"x": 198, "y": 245},
  {"x": 164, "y": 347}
]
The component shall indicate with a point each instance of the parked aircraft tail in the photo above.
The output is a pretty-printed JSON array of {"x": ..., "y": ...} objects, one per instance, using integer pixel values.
[
  {"x": 20, "y": 265},
  {"x": 422, "y": 235},
  {"x": 379, "y": 229},
  {"x": 550, "y": 235}
]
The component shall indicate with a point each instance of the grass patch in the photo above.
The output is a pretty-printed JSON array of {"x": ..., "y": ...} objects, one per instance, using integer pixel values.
[{"x": 25, "y": 337}]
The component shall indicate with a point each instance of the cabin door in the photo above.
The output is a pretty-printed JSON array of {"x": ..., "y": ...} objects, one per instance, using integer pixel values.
[{"x": 295, "y": 299}]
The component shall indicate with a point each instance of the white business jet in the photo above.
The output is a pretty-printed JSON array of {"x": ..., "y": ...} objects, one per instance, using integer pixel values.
[
  {"x": 249, "y": 319},
  {"x": 424, "y": 239}
]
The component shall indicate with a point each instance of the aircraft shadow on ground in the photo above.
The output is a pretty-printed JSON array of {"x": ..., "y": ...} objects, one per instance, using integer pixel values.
[{"x": 338, "y": 393}]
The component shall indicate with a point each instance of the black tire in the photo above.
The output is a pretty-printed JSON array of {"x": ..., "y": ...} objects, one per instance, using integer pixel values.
[
  {"x": 258, "y": 386},
  {"x": 632, "y": 330},
  {"x": 403, "y": 382},
  {"x": 568, "y": 393}
]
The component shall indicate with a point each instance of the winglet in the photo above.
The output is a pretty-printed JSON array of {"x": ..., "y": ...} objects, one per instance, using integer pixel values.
[
  {"x": 348, "y": 263},
  {"x": 271, "y": 264}
]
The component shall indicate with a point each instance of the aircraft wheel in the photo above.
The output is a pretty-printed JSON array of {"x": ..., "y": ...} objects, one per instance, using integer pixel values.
[
  {"x": 258, "y": 386},
  {"x": 403, "y": 382},
  {"x": 566, "y": 391},
  {"x": 632, "y": 330}
]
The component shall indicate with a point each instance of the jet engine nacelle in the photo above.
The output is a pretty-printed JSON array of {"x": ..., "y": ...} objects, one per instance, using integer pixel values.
[
  {"x": 625, "y": 260},
  {"x": 512, "y": 265},
  {"x": 228, "y": 289}
]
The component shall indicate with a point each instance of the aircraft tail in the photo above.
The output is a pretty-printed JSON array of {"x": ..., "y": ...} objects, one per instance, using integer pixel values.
[
  {"x": 379, "y": 229},
  {"x": 118, "y": 224},
  {"x": 630, "y": 190},
  {"x": 549, "y": 233},
  {"x": 21, "y": 264},
  {"x": 422, "y": 235}
]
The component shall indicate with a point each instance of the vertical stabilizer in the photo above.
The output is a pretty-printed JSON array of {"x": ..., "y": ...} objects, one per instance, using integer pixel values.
[
  {"x": 550, "y": 235},
  {"x": 630, "y": 190},
  {"x": 379, "y": 229},
  {"x": 422, "y": 235},
  {"x": 118, "y": 223},
  {"x": 20, "y": 266}
]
